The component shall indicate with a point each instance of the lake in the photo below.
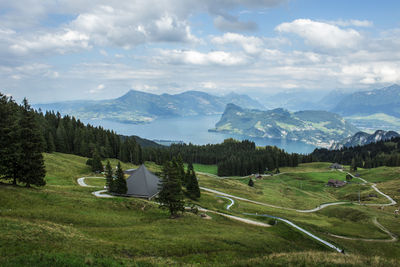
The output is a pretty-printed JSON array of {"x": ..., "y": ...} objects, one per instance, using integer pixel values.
[{"x": 193, "y": 130}]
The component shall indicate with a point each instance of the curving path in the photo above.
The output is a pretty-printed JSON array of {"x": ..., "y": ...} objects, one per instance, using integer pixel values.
[
  {"x": 393, "y": 237},
  {"x": 289, "y": 223},
  {"x": 270, "y": 205},
  {"x": 100, "y": 193},
  {"x": 392, "y": 202}
]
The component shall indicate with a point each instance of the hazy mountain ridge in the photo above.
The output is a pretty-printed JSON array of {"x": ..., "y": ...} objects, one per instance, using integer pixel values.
[
  {"x": 141, "y": 107},
  {"x": 319, "y": 128},
  {"x": 363, "y": 138},
  {"x": 385, "y": 100}
]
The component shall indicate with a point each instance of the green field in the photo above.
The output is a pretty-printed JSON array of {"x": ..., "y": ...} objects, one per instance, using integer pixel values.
[
  {"x": 63, "y": 224},
  {"x": 212, "y": 169}
]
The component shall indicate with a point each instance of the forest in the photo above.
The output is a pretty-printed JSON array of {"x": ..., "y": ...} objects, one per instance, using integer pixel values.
[
  {"x": 26, "y": 133},
  {"x": 237, "y": 158},
  {"x": 382, "y": 153}
]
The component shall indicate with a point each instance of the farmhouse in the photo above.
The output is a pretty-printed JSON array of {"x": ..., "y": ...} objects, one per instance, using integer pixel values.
[
  {"x": 336, "y": 166},
  {"x": 335, "y": 183},
  {"x": 142, "y": 183}
]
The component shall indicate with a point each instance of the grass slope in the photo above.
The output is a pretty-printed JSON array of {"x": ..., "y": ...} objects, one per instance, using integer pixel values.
[
  {"x": 304, "y": 187},
  {"x": 62, "y": 224}
]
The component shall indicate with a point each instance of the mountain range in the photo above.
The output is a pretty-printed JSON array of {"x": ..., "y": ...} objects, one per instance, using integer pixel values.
[
  {"x": 141, "y": 107},
  {"x": 363, "y": 138},
  {"x": 371, "y": 110},
  {"x": 385, "y": 100},
  {"x": 319, "y": 128}
]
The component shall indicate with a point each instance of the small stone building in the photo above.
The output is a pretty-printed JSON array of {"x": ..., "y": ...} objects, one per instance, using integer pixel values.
[
  {"x": 336, "y": 183},
  {"x": 336, "y": 166}
]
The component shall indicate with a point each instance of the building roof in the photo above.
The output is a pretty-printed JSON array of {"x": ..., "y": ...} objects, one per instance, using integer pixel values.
[
  {"x": 336, "y": 183},
  {"x": 336, "y": 166},
  {"x": 142, "y": 183}
]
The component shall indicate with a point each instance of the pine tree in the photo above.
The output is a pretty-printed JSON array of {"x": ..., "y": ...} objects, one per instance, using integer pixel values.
[
  {"x": 51, "y": 147},
  {"x": 251, "y": 182},
  {"x": 188, "y": 174},
  {"x": 192, "y": 187},
  {"x": 31, "y": 160},
  {"x": 97, "y": 166},
  {"x": 353, "y": 166},
  {"x": 61, "y": 139},
  {"x": 171, "y": 195},
  {"x": 181, "y": 168},
  {"x": 120, "y": 182},
  {"x": 109, "y": 177},
  {"x": 9, "y": 140}
]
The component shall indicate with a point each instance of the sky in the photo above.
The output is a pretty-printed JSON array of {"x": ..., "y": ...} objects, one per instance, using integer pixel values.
[{"x": 86, "y": 49}]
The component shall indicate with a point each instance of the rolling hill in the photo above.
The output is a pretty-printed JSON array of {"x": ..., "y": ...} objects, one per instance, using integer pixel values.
[{"x": 319, "y": 128}]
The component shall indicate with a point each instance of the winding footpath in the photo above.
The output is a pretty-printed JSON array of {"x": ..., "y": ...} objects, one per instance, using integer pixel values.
[
  {"x": 393, "y": 238},
  {"x": 289, "y": 223},
  {"x": 101, "y": 194},
  {"x": 270, "y": 205},
  {"x": 320, "y": 207}
]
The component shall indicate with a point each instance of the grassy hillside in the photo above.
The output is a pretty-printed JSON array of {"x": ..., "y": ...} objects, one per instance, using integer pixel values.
[
  {"x": 301, "y": 188},
  {"x": 63, "y": 224}
]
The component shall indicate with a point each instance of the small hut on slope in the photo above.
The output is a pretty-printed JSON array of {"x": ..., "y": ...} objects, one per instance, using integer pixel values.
[{"x": 143, "y": 183}]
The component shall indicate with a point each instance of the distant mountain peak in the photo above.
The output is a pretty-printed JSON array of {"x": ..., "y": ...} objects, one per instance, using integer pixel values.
[{"x": 363, "y": 138}]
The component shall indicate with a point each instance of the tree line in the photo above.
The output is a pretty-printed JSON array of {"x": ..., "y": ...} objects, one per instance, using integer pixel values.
[
  {"x": 21, "y": 144},
  {"x": 382, "y": 153},
  {"x": 26, "y": 133},
  {"x": 232, "y": 157}
]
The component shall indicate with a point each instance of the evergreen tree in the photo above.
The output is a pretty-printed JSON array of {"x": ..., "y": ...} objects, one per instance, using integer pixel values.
[
  {"x": 353, "y": 166},
  {"x": 188, "y": 174},
  {"x": 192, "y": 186},
  {"x": 251, "y": 182},
  {"x": 181, "y": 169},
  {"x": 96, "y": 164},
  {"x": 109, "y": 177},
  {"x": 171, "y": 195},
  {"x": 120, "y": 186},
  {"x": 31, "y": 160},
  {"x": 9, "y": 140},
  {"x": 51, "y": 147},
  {"x": 61, "y": 145}
]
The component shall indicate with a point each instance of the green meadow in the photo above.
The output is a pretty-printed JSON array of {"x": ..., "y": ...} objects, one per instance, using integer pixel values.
[{"x": 63, "y": 224}]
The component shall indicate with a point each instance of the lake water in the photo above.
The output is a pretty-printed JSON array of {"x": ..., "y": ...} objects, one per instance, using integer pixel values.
[{"x": 192, "y": 130}]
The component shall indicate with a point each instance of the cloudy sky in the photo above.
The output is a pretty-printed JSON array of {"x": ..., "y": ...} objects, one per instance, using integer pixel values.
[{"x": 87, "y": 49}]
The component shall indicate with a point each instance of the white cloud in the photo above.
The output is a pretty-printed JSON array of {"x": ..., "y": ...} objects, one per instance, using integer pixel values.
[
  {"x": 208, "y": 85},
  {"x": 352, "y": 22},
  {"x": 250, "y": 44},
  {"x": 98, "y": 89},
  {"x": 371, "y": 73},
  {"x": 193, "y": 57},
  {"x": 322, "y": 35},
  {"x": 61, "y": 42}
]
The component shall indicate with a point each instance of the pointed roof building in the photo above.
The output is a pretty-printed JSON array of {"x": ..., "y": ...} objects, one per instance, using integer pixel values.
[{"x": 142, "y": 183}]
